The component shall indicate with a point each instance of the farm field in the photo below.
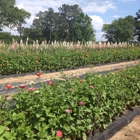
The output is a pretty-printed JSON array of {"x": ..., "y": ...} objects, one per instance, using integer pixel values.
[
  {"x": 26, "y": 79},
  {"x": 71, "y": 108},
  {"x": 22, "y": 58},
  {"x": 58, "y": 81}
]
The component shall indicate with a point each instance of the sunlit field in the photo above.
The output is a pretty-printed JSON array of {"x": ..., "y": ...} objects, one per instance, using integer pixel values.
[
  {"x": 21, "y": 58},
  {"x": 72, "y": 109}
]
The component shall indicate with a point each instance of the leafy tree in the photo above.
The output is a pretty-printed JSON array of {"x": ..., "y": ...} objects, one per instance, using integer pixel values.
[
  {"x": 45, "y": 21},
  {"x": 33, "y": 34},
  {"x": 21, "y": 21},
  {"x": 109, "y": 32},
  {"x": 67, "y": 19},
  {"x": 6, "y": 37},
  {"x": 88, "y": 33},
  {"x": 69, "y": 24},
  {"x": 74, "y": 25},
  {"x": 137, "y": 26},
  {"x": 20, "y": 29},
  {"x": 10, "y": 15},
  {"x": 120, "y": 30}
]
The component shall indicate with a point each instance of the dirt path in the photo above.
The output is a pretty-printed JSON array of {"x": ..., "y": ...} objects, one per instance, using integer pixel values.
[
  {"x": 28, "y": 78},
  {"x": 129, "y": 132}
]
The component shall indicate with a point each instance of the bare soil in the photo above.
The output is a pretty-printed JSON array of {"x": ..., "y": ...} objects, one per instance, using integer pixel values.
[
  {"x": 28, "y": 78},
  {"x": 129, "y": 132}
]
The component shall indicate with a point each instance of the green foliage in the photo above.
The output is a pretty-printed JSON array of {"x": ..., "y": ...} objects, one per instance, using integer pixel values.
[
  {"x": 10, "y": 15},
  {"x": 17, "y": 59},
  {"x": 72, "y": 107},
  {"x": 69, "y": 24},
  {"x": 6, "y": 37},
  {"x": 32, "y": 34},
  {"x": 137, "y": 26},
  {"x": 46, "y": 23},
  {"x": 120, "y": 30}
]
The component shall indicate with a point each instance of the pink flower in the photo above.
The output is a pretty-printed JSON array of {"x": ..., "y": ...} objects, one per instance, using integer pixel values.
[
  {"x": 81, "y": 103},
  {"x": 48, "y": 81},
  {"x": 91, "y": 86},
  {"x": 59, "y": 134},
  {"x": 31, "y": 89},
  {"x": 68, "y": 110},
  {"x": 13, "y": 48}
]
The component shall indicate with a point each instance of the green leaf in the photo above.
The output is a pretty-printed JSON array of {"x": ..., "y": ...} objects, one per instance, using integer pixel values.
[
  {"x": 84, "y": 137},
  {"x": 42, "y": 119},
  {"x": 8, "y": 135},
  {"x": 73, "y": 128},
  {"x": 2, "y": 129},
  {"x": 38, "y": 115},
  {"x": 66, "y": 127}
]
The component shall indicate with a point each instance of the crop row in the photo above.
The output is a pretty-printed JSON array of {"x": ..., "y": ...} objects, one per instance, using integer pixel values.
[
  {"x": 69, "y": 110},
  {"x": 22, "y": 61}
]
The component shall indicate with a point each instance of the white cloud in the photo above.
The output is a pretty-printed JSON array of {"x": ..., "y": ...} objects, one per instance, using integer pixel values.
[
  {"x": 20, "y": 6},
  {"x": 12, "y": 31},
  {"x": 100, "y": 7},
  {"x": 116, "y": 16},
  {"x": 99, "y": 36},
  {"x": 97, "y": 23},
  {"x": 128, "y": 0},
  {"x": 35, "y": 6},
  {"x": 41, "y": 5}
]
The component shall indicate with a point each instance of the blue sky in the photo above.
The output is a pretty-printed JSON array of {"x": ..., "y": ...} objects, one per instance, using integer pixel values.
[{"x": 101, "y": 11}]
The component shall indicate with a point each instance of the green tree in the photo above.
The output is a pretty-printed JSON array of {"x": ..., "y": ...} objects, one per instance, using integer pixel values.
[
  {"x": 67, "y": 19},
  {"x": 10, "y": 15},
  {"x": 33, "y": 34},
  {"x": 6, "y": 37},
  {"x": 120, "y": 30},
  {"x": 21, "y": 21},
  {"x": 88, "y": 33},
  {"x": 74, "y": 25},
  {"x": 45, "y": 21},
  {"x": 20, "y": 29},
  {"x": 69, "y": 24},
  {"x": 108, "y": 29},
  {"x": 137, "y": 26}
]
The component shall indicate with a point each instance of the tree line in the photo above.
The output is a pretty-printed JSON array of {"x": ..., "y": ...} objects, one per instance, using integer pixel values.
[
  {"x": 68, "y": 24},
  {"x": 123, "y": 29}
]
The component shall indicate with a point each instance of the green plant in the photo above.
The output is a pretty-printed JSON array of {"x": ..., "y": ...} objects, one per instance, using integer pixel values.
[
  {"x": 71, "y": 109},
  {"x": 33, "y": 59}
]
